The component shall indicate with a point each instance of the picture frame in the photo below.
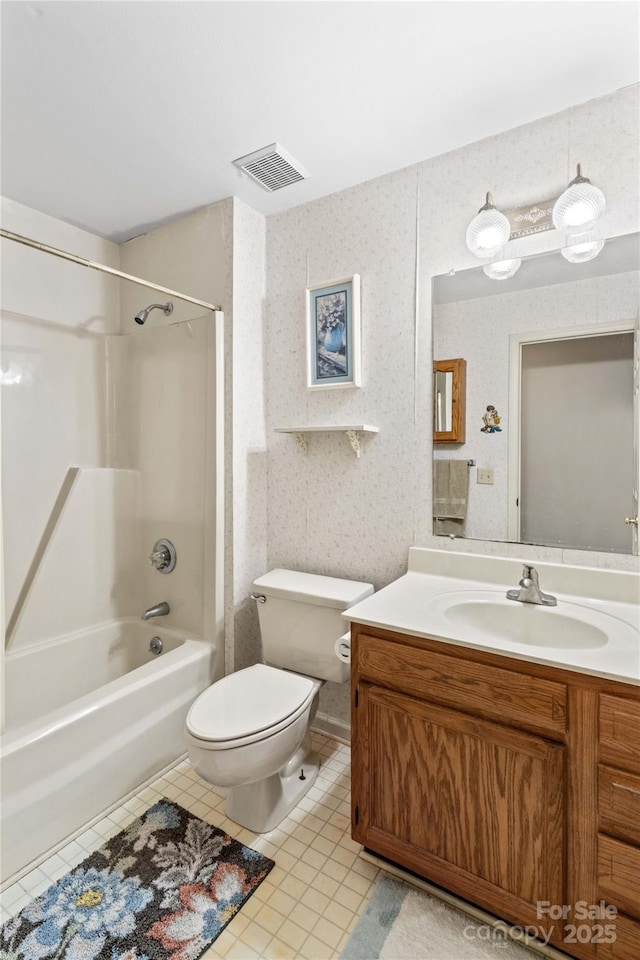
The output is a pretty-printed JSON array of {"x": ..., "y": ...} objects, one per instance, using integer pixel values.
[{"x": 333, "y": 334}]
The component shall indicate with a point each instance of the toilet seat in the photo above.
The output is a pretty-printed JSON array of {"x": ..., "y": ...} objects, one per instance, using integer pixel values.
[{"x": 249, "y": 706}]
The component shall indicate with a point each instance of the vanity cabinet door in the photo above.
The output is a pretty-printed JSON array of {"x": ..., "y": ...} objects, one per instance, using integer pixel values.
[{"x": 467, "y": 803}]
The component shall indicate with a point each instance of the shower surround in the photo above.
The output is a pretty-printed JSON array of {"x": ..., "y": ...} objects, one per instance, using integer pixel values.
[{"x": 110, "y": 442}]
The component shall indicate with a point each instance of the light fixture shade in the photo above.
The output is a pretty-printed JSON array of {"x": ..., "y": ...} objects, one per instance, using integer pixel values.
[
  {"x": 502, "y": 269},
  {"x": 583, "y": 244},
  {"x": 581, "y": 203},
  {"x": 488, "y": 232}
]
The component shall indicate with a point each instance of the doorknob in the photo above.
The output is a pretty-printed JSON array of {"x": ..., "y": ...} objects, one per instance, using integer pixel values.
[{"x": 631, "y": 520}]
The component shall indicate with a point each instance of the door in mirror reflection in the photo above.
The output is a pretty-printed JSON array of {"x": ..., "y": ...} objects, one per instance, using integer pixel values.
[{"x": 576, "y": 442}]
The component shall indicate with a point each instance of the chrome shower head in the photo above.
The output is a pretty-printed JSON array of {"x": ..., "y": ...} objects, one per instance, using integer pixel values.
[{"x": 142, "y": 315}]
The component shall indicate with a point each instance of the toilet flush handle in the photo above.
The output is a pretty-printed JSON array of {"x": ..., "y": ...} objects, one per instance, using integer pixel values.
[{"x": 259, "y": 597}]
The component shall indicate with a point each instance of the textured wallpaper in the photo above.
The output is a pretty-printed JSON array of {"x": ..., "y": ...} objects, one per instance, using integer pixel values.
[{"x": 329, "y": 512}]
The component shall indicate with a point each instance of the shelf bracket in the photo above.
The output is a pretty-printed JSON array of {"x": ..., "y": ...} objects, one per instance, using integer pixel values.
[
  {"x": 354, "y": 438},
  {"x": 352, "y": 431},
  {"x": 301, "y": 440}
]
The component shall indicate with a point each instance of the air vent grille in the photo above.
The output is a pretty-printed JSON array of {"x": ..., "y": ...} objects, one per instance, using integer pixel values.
[{"x": 272, "y": 167}]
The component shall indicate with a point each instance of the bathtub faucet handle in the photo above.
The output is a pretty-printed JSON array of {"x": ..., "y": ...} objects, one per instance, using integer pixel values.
[{"x": 163, "y": 556}]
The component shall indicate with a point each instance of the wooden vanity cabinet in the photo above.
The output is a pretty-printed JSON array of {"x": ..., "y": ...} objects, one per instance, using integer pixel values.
[
  {"x": 618, "y": 862},
  {"x": 484, "y": 775}
]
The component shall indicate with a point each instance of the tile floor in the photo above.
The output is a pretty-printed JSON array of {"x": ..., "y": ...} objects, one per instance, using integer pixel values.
[{"x": 312, "y": 899}]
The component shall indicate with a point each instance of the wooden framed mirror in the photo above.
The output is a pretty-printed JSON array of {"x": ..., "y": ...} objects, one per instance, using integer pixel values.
[{"x": 449, "y": 400}]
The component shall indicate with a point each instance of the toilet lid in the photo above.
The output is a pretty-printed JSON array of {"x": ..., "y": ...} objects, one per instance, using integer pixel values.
[{"x": 247, "y": 702}]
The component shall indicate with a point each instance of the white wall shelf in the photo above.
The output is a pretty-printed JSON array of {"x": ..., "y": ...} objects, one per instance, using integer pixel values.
[{"x": 352, "y": 431}]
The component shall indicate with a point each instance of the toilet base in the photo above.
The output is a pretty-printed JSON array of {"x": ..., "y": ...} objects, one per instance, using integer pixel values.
[{"x": 262, "y": 805}]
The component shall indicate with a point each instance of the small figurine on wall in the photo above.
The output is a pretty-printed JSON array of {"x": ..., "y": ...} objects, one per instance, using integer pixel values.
[{"x": 491, "y": 420}]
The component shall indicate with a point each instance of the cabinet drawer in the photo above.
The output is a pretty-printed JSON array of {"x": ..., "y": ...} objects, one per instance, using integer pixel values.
[
  {"x": 492, "y": 692},
  {"x": 619, "y": 875},
  {"x": 620, "y": 732},
  {"x": 619, "y": 803},
  {"x": 625, "y": 946}
]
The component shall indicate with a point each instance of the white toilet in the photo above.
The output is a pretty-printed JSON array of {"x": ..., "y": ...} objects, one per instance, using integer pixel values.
[{"x": 250, "y": 730}]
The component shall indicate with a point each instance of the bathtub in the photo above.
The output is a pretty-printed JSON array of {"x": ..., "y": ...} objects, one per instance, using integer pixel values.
[{"x": 87, "y": 719}]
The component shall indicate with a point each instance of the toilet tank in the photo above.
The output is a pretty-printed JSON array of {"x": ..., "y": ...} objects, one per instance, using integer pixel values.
[{"x": 300, "y": 620}]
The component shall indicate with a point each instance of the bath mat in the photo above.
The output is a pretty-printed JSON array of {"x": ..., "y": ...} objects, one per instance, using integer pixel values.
[
  {"x": 162, "y": 889},
  {"x": 404, "y": 923}
]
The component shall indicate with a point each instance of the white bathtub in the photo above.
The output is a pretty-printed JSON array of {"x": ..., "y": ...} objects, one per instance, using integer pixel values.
[{"x": 88, "y": 718}]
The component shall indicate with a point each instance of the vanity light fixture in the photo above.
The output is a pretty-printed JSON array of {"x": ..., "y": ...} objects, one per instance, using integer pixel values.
[
  {"x": 488, "y": 232},
  {"x": 575, "y": 214},
  {"x": 579, "y": 205}
]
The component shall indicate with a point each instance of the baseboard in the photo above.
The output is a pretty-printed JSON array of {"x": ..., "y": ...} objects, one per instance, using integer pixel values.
[{"x": 332, "y": 727}]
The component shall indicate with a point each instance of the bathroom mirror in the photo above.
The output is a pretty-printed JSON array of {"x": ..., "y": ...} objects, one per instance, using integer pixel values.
[
  {"x": 550, "y": 429},
  {"x": 449, "y": 382}
]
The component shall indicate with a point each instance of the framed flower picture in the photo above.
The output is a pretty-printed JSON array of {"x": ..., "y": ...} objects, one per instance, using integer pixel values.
[{"x": 333, "y": 334}]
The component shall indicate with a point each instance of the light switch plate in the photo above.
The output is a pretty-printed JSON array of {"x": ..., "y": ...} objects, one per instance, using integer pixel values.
[{"x": 485, "y": 475}]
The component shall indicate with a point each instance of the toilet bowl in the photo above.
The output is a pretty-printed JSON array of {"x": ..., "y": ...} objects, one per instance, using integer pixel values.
[{"x": 250, "y": 730}]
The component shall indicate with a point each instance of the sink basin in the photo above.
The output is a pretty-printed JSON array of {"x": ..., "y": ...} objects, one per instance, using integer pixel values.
[{"x": 569, "y": 626}]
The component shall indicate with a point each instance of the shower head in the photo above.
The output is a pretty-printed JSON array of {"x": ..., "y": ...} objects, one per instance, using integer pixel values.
[{"x": 142, "y": 315}]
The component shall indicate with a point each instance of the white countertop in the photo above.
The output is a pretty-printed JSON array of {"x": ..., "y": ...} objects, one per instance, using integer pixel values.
[{"x": 414, "y": 605}]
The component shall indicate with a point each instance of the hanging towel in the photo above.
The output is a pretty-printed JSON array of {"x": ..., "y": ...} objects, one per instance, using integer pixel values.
[{"x": 450, "y": 493}]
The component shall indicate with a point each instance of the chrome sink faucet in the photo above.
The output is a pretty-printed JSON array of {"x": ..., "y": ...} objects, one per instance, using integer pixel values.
[
  {"x": 158, "y": 610},
  {"x": 530, "y": 591}
]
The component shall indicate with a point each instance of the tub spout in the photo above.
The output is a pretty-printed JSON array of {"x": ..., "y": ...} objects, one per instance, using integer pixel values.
[{"x": 159, "y": 610}]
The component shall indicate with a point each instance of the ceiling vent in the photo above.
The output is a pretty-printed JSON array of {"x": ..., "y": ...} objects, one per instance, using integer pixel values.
[{"x": 272, "y": 167}]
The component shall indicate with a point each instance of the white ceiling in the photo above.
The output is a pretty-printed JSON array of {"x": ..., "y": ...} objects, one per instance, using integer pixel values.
[{"x": 118, "y": 116}]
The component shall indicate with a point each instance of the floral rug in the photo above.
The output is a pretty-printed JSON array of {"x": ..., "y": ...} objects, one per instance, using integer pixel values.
[{"x": 162, "y": 889}]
